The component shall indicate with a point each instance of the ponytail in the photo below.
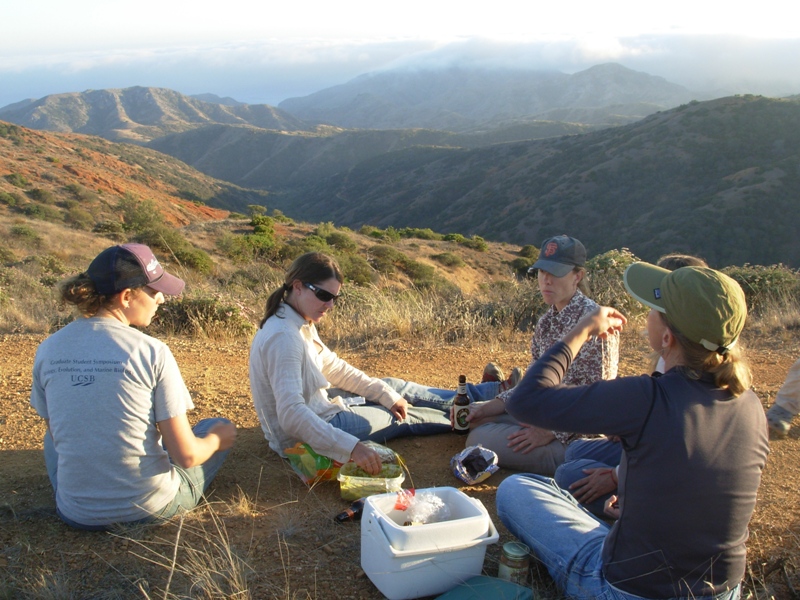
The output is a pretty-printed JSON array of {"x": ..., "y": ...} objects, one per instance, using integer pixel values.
[{"x": 730, "y": 370}]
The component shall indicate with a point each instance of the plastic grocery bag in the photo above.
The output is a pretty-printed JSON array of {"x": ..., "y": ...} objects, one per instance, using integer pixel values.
[{"x": 310, "y": 466}]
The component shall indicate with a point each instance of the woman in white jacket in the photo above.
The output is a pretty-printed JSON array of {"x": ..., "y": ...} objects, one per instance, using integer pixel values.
[{"x": 292, "y": 374}]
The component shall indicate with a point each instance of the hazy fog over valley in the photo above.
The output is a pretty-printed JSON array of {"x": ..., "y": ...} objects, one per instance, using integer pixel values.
[{"x": 265, "y": 54}]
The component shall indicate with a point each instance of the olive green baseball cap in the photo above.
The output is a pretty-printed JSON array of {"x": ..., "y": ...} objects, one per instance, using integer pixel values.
[{"x": 706, "y": 306}]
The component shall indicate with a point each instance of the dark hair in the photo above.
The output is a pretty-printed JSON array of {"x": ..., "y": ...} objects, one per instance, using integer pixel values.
[
  {"x": 673, "y": 262},
  {"x": 312, "y": 267},
  {"x": 80, "y": 291}
]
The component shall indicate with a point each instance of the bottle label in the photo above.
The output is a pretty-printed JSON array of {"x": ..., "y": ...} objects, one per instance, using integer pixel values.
[{"x": 460, "y": 419}]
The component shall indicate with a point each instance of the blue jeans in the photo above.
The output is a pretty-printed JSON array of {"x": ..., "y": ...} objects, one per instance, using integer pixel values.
[
  {"x": 429, "y": 412},
  {"x": 194, "y": 480},
  {"x": 564, "y": 537},
  {"x": 423, "y": 395},
  {"x": 588, "y": 454}
]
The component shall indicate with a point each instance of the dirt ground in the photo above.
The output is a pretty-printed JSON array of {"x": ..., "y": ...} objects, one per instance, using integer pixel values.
[{"x": 283, "y": 532}]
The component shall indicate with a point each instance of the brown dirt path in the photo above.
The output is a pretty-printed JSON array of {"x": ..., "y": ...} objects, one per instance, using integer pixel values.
[{"x": 283, "y": 530}]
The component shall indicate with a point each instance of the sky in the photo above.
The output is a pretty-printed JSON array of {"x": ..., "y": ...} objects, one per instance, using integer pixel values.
[{"x": 257, "y": 52}]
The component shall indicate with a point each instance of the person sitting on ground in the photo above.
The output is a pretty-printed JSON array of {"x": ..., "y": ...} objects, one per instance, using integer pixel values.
[
  {"x": 786, "y": 405},
  {"x": 695, "y": 444},
  {"x": 561, "y": 278},
  {"x": 292, "y": 373},
  {"x": 590, "y": 468},
  {"x": 118, "y": 446}
]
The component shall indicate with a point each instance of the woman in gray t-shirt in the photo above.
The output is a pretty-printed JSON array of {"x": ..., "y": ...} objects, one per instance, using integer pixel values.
[{"x": 119, "y": 447}]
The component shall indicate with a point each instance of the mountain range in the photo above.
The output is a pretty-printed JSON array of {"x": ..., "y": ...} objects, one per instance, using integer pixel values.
[
  {"x": 458, "y": 99},
  {"x": 716, "y": 178},
  {"x": 139, "y": 114}
]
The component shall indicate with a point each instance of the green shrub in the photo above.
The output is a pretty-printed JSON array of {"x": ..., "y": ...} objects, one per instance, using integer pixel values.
[
  {"x": 207, "y": 316},
  {"x": 323, "y": 230},
  {"x": 41, "y": 195},
  {"x": 139, "y": 215},
  {"x": 7, "y": 255},
  {"x": 111, "y": 229},
  {"x": 455, "y": 237},
  {"x": 605, "y": 273},
  {"x": 48, "y": 269},
  {"x": 262, "y": 224},
  {"x": 194, "y": 258},
  {"x": 521, "y": 265},
  {"x": 765, "y": 287},
  {"x": 420, "y": 234},
  {"x": 17, "y": 180},
  {"x": 529, "y": 251},
  {"x": 43, "y": 212},
  {"x": 370, "y": 231},
  {"x": 8, "y": 199},
  {"x": 390, "y": 234},
  {"x": 448, "y": 259},
  {"x": 421, "y": 275},
  {"x": 236, "y": 215},
  {"x": 256, "y": 209},
  {"x": 25, "y": 232},
  {"x": 314, "y": 243},
  {"x": 356, "y": 270},
  {"x": 248, "y": 247},
  {"x": 8, "y": 130},
  {"x": 80, "y": 192},
  {"x": 341, "y": 241},
  {"x": 281, "y": 218},
  {"x": 79, "y": 218},
  {"x": 385, "y": 259},
  {"x": 476, "y": 242}
]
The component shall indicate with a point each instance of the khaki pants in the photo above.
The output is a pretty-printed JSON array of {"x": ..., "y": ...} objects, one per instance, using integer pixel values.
[
  {"x": 789, "y": 395},
  {"x": 494, "y": 436}
]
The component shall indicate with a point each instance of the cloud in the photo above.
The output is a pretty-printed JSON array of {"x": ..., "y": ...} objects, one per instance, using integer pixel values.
[{"x": 273, "y": 69}]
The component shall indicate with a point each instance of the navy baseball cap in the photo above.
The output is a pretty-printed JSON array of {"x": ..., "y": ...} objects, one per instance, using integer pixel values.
[
  {"x": 131, "y": 266},
  {"x": 559, "y": 255}
]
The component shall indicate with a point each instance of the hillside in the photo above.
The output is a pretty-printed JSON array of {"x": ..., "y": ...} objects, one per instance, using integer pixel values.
[
  {"x": 139, "y": 114},
  {"x": 458, "y": 99},
  {"x": 714, "y": 178},
  {"x": 79, "y": 180},
  {"x": 275, "y": 160}
]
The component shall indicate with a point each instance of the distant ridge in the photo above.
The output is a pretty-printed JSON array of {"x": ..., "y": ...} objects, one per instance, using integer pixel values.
[
  {"x": 457, "y": 99},
  {"x": 214, "y": 99},
  {"x": 139, "y": 114},
  {"x": 717, "y": 178}
]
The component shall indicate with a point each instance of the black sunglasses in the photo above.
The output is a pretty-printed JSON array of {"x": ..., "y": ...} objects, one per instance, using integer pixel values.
[{"x": 322, "y": 295}]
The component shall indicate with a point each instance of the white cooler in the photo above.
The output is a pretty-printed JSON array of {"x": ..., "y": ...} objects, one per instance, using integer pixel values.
[{"x": 429, "y": 559}]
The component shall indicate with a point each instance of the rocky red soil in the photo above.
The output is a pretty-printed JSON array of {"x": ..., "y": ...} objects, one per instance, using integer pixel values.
[{"x": 283, "y": 531}]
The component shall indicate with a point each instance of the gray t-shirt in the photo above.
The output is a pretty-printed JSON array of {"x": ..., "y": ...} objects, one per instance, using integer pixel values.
[{"x": 103, "y": 386}]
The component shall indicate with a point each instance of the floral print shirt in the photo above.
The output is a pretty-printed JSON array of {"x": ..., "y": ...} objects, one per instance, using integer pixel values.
[{"x": 597, "y": 359}]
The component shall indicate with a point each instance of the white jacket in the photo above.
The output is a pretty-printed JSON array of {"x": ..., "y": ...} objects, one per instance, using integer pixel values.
[{"x": 290, "y": 372}]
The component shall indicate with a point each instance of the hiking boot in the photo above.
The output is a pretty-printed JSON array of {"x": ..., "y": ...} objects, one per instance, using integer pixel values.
[
  {"x": 512, "y": 381},
  {"x": 491, "y": 372},
  {"x": 780, "y": 420}
]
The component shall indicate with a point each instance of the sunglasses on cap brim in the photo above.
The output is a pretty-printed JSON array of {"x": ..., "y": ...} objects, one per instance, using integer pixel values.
[{"x": 322, "y": 295}]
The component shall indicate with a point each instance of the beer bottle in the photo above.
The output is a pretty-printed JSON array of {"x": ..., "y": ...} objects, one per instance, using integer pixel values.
[
  {"x": 461, "y": 407},
  {"x": 353, "y": 513}
]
